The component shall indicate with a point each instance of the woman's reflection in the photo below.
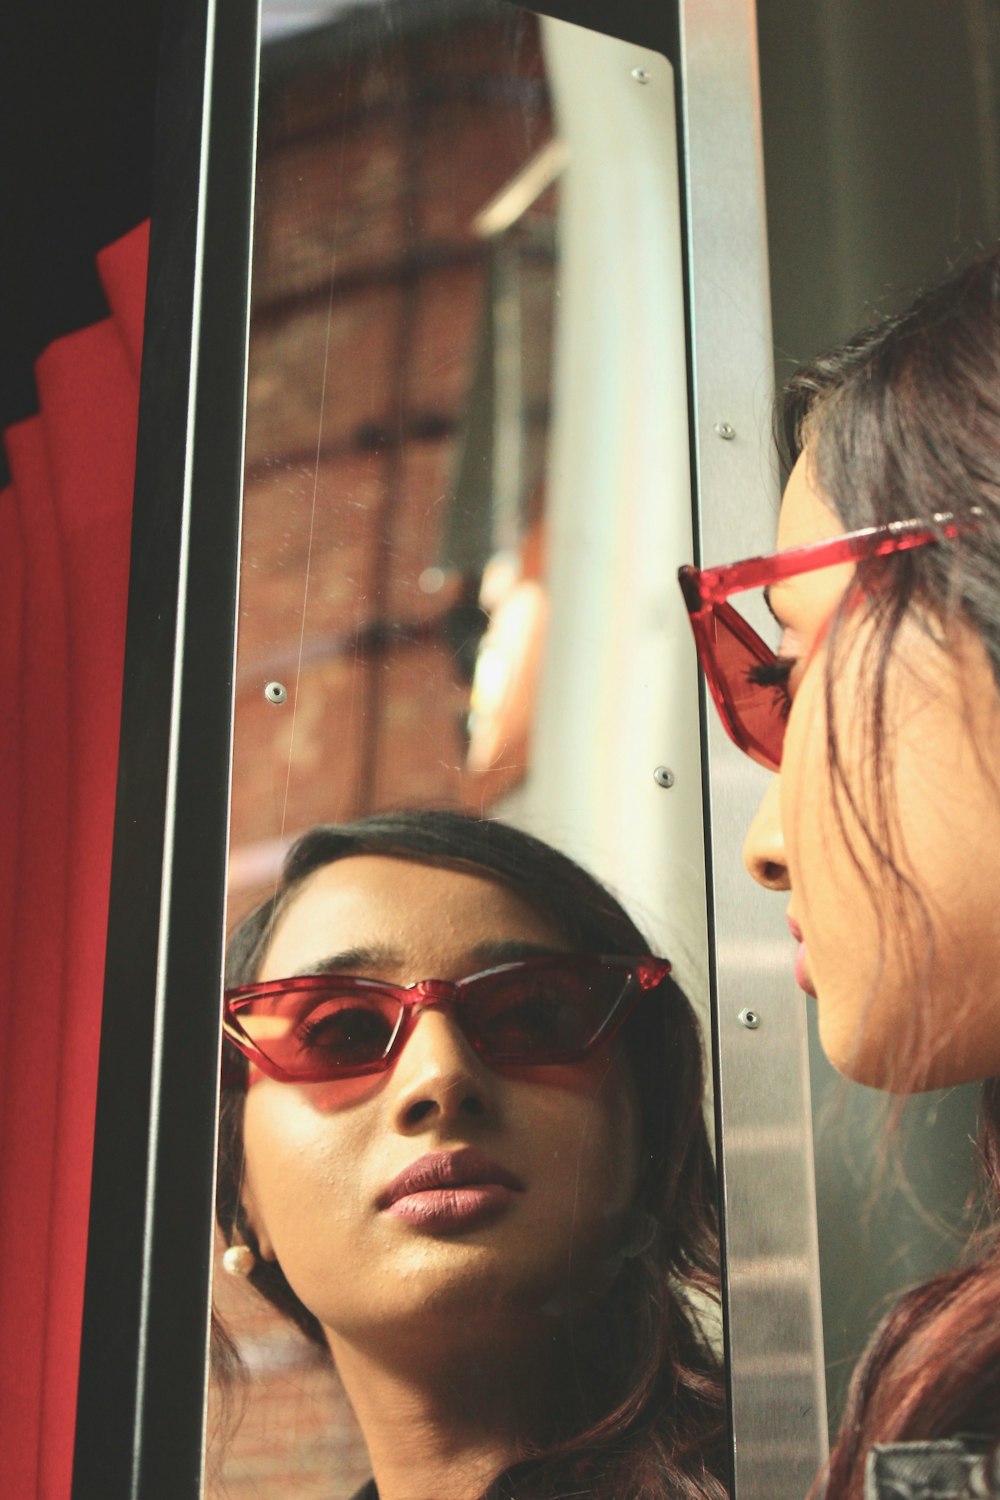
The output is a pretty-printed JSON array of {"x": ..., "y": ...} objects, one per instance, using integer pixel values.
[{"x": 491, "y": 1198}]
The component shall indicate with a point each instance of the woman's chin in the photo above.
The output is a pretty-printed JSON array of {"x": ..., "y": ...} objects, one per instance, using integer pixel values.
[
  {"x": 890, "y": 1058},
  {"x": 446, "y": 1315},
  {"x": 857, "y": 1053}
]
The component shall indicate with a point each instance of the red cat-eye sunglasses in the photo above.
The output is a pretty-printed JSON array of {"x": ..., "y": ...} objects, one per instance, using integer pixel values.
[
  {"x": 555, "y": 1009},
  {"x": 741, "y": 669}
]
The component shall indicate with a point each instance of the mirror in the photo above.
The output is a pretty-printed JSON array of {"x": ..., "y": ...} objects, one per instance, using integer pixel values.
[{"x": 467, "y": 495}]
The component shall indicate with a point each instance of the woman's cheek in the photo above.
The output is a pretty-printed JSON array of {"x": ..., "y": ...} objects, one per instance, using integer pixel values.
[
  {"x": 804, "y": 788},
  {"x": 295, "y": 1185},
  {"x": 826, "y": 847}
]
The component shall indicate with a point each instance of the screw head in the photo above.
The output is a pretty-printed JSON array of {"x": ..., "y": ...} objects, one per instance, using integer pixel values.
[
  {"x": 640, "y": 75},
  {"x": 276, "y": 692},
  {"x": 664, "y": 777},
  {"x": 750, "y": 1019},
  {"x": 726, "y": 431}
]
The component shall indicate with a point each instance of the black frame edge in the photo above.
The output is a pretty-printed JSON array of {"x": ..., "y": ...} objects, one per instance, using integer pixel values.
[
  {"x": 140, "y": 1414},
  {"x": 645, "y": 23}
]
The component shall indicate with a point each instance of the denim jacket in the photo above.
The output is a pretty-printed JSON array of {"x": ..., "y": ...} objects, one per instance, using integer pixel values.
[{"x": 961, "y": 1468}]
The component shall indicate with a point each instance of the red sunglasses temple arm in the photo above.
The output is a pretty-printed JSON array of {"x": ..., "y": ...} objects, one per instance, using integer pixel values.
[
  {"x": 703, "y": 588},
  {"x": 233, "y": 1032}
]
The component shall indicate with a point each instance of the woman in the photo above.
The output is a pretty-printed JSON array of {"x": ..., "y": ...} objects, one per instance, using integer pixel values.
[
  {"x": 881, "y": 713},
  {"x": 476, "y": 1170}
]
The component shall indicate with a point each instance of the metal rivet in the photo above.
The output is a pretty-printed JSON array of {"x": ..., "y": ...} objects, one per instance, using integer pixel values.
[
  {"x": 663, "y": 777},
  {"x": 276, "y": 692},
  {"x": 640, "y": 75},
  {"x": 750, "y": 1019},
  {"x": 726, "y": 431}
]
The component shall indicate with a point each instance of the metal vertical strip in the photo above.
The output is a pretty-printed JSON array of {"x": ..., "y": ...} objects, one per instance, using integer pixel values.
[
  {"x": 765, "y": 1139},
  {"x": 141, "y": 1409}
]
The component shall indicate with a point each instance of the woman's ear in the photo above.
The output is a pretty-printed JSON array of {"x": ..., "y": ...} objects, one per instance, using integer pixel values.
[{"x": 255, "y": 1224}]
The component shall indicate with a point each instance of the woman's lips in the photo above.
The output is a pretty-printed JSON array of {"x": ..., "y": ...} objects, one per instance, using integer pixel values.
[
  {"x": 801, "y": 959},
  {"x": 450, "y": 1190},
  {"x": 802, "y": 973}
]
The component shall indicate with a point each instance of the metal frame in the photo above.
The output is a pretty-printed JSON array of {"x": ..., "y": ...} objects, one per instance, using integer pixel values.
[
  {"x": 774, "y": 1326},
  {"x": 140, "y": 1427},
  {"x": 140, "y": 1418}
]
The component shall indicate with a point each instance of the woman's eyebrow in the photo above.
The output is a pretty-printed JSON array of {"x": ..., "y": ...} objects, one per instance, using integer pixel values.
[
  {"x": 351, "y": 961},
  {"x": 376, "y": 957},
  {"x": 511, "y": 951}
]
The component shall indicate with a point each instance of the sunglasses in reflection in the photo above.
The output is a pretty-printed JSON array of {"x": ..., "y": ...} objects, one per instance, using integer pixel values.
[
  {"x": 746, "y": 678},
  {"x": 553, "y": 1009}
]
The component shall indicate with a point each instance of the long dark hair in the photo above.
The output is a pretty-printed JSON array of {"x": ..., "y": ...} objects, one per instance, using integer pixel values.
[
  {"x": 904, "y": 421},
  {"x": 650, "y": 1414}
]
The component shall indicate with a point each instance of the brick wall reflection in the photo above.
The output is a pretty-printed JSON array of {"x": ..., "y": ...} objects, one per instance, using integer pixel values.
[
  {"x": 369, "y": 286},
  {"x": 368, "y": 294}
]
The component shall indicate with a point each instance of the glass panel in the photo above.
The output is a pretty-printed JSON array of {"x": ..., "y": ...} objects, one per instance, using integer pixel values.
[{"x": 467, "y": 494}]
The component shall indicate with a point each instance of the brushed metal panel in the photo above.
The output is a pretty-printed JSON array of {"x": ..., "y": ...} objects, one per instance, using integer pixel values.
[{"x": 773, "y": 1305}]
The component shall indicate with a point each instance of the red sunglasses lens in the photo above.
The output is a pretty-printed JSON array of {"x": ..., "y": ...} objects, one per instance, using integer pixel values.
[
  {"x": 755, "y": 712},
  {"x": 325, "y": 1032},
  {"x": 546, "y": 1016}
]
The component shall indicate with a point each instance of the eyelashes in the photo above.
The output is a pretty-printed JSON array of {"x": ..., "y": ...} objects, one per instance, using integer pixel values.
[{"x": 775, "y": 674}]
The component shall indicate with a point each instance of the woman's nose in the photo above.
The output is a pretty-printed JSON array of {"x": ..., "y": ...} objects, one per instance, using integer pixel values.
[
  {"x": 439, "y": 1080},
  {"x": 764, "y": 847}
]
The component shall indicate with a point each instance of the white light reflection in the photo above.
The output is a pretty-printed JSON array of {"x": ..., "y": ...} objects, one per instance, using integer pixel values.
[{"x": 281, "y": 18}]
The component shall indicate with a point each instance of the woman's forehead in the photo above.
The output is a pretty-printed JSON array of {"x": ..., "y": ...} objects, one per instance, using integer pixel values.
[
  {"x": 403, "y": 913},
  {"x": 806, "y": 514}
]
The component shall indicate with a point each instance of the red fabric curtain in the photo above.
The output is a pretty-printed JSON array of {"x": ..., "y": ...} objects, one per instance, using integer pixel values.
[{"x": 65, "y": 523}]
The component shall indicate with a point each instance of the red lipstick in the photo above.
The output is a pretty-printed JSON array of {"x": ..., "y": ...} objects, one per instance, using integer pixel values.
[
  {"x": 801, "y": 972},
  {"x": 450, "y": 1190}
]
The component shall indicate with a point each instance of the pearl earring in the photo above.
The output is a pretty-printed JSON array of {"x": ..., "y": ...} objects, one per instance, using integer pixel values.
[{"x": 239, "y": 1260}]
